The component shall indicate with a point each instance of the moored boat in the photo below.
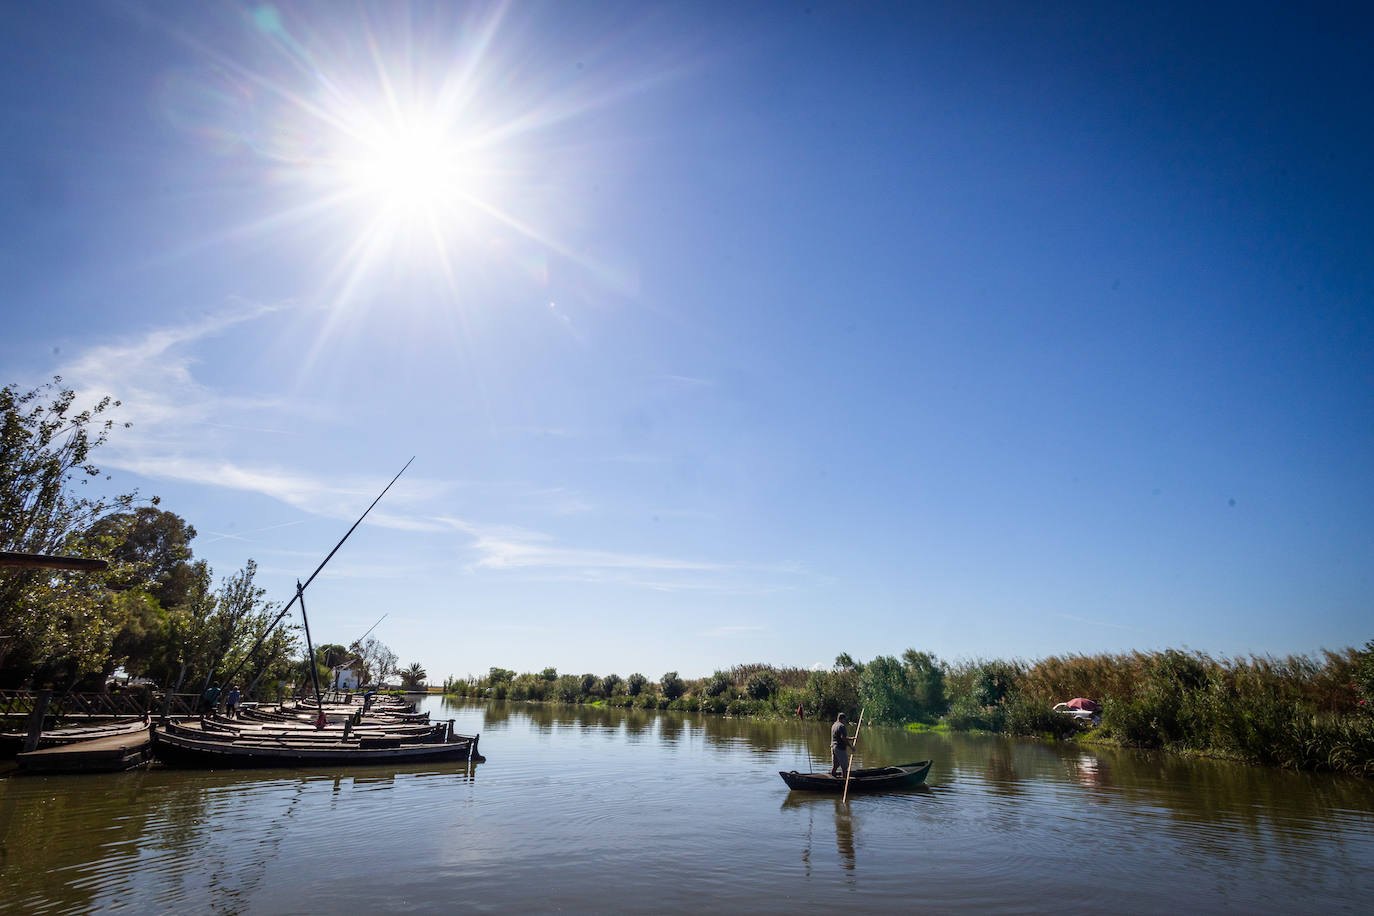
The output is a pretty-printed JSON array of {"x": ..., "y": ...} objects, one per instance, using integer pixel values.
[
  {"x": 12, "y": 742},
  {"x": 900, "y": 776},
  {"x": 176, "y": 745}
]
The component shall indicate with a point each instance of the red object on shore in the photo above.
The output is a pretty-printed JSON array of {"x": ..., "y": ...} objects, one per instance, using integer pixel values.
[
  {"x": 800, "y": 714},
  {"x": 322, "y": 721},
  {"x": 1085, "y": 704}
]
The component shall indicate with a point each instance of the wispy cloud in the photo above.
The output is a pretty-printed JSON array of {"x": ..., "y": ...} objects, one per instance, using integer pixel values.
[
  {"x": 245, "y": 536},
  {"x": 560, "y": 501},
  {"x": 154, "y": 375},
  {"x": 507, "y": 548},
  {"x": 688, "y": 381}
]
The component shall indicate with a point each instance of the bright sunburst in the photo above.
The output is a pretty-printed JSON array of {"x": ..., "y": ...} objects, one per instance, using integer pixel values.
[
  {"x": 413, "y": 167},
  {"x": 443, "y": 152}
]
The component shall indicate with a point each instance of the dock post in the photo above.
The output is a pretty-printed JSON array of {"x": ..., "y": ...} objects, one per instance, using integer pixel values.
[
  {"x": 449, "y": 736},
  {"x": 40, "y": 710},
  {"x": 348, "y": 727}
]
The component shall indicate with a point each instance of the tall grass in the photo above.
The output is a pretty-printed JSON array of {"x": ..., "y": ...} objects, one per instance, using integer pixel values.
[{"x": 1300, "y": 712}]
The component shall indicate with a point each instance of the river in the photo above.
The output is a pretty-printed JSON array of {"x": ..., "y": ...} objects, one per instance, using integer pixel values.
[{"x": 585, "y": 810}]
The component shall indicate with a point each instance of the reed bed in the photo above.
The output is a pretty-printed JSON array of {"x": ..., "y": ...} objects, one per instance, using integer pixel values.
[{"x": 1298, "y": 712}]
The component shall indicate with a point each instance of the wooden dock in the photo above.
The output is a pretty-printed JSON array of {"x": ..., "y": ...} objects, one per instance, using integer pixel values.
[{"x": 98, "y": 755}]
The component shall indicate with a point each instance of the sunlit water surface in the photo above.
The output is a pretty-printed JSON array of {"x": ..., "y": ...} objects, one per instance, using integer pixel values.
[{"x": 585, "y": 810}]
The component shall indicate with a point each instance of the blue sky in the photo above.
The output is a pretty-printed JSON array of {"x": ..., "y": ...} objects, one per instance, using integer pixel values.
[{"x": 721, "y": 332}]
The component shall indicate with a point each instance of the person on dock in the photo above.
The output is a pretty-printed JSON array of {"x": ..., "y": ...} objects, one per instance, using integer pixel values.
[
  {"x": 840, "y": 743},
  {"x": 231, "y": 702},
  {"x": 208, "y": 701}
]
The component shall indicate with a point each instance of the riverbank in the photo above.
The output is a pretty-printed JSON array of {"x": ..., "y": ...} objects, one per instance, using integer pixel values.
[{"x": 1300, "y": 713}]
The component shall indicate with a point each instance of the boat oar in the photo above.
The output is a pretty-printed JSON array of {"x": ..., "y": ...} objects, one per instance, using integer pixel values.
[{"x": 855, "y": 744}]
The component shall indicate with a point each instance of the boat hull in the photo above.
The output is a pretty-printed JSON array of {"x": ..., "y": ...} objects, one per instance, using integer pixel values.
[
  {"x": 876, "y": 779},
  {"x": 179, "y": 750}
]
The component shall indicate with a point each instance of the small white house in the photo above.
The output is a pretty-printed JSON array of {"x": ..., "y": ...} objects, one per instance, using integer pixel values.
[{"x": 346, "y": 678}]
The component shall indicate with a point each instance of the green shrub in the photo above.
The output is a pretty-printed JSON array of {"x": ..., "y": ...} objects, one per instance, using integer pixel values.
[
  {"x": 1027, "y": 716},
  {"x": 716, "y": 684},
  {"x": 761, "y": 686},
  {"x": 992, "y": 681},
  {"x": 829, "y": 693},
  {"x": 1364, "y": 677},
  {"x": 673, "y": 686},
  {"x": 967, "y": 715},
  {"x": 787, "y": 699},
  {"x": 926, "y": 683},
  {"x": 885, "y": 692}
]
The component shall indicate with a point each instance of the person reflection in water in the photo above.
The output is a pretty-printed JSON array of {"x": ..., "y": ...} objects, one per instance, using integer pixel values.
[{"x": 840, "y": 743}]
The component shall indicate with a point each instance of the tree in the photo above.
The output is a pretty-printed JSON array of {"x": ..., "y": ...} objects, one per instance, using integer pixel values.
[
  {"x": 635, "y": 684},
  {"x": 672, "y": 685},
  {"x": 762, "y": 685},
  {"x": 331, "y": 655},
  {"x": 155, "y": 547},
  {"x": 843, "y": 662},
  {"x": 610, "y": 683},
  {"x": 379, "y": 662},
  {"x": 718, "y": 683},
  {"x": 141, "y": 634},
  {"x": 413, "y": 676},
  {"x": 589, "y": 685},
  {"x": 499, "y": 676},
  {"x": 1364, "y": 677},
  {"x": 237, "y": 602},
  {"x": 549, "y": 674},
  {"x": 52, "y": 618},
  {"x": 926, "y": 679},
  {"x": 884, "y": 690},
  {"x": 566, "y": 687}
]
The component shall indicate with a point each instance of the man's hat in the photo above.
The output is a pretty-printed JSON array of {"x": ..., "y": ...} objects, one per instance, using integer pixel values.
[{"x": 842, "y": 717}]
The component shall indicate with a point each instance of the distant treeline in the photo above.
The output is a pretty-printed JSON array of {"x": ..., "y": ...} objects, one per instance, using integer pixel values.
[{"x": 1296, "y": 712}]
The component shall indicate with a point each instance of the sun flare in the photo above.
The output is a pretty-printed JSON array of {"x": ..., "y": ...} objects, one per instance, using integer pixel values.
[{"x": 410, "y": 168}]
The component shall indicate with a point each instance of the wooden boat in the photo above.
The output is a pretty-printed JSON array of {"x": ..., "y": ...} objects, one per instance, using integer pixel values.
[
  {"x": 177, "y": 745},
  {"x": 110, "y": 754},
  {"x": 875, "y": 779},
  {"x": 335, "y": 731},
  {"x": 13, "y": 742},
  {"x": 333, "y": 734}
]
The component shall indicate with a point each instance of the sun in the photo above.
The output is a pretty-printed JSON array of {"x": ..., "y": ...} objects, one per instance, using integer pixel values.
[{"x": 415, "y": 166}]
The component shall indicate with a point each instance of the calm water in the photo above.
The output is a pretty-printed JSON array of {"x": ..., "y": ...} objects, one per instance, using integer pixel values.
[{"x": 594, "y": 811}]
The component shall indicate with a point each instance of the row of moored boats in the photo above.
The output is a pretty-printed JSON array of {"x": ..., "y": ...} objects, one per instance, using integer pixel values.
[{"x": 299, "y": 734}]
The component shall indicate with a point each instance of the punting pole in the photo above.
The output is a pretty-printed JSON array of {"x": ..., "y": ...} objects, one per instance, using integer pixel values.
[
  {"x": 359, "y": 640},
  {"x": 858, "y": 728},
  {"x": 301, "y": 588}
]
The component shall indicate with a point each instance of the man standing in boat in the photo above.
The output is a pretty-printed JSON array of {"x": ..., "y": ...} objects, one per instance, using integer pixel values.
[{"x": 840, "y": 743}]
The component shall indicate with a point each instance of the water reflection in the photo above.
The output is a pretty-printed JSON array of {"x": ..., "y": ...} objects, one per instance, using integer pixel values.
[{"x": 684, "y": 812}]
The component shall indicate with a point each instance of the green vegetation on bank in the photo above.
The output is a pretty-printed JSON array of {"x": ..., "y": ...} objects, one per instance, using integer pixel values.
[
  {"x": 1296, "y": 712},
  {"x": 154, "y": 611}
]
